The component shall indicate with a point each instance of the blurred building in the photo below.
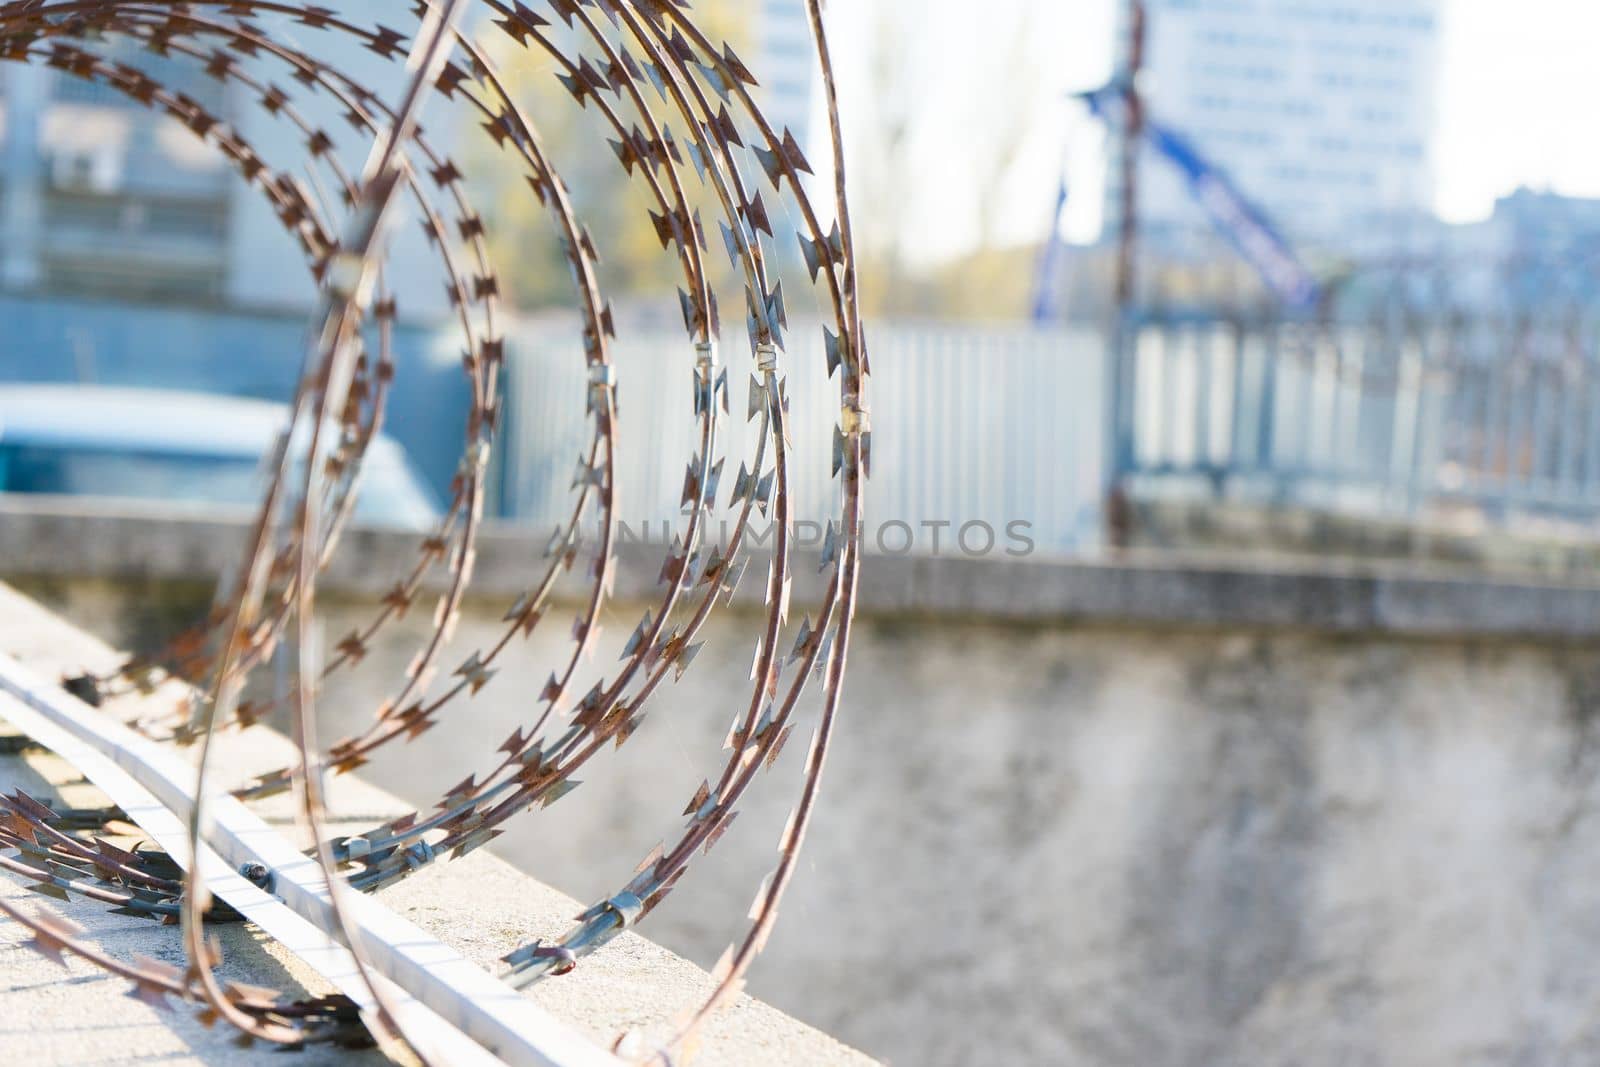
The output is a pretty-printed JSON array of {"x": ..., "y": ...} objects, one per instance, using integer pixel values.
[
  {"x": 1537, "y": 252},
  {"x": 1531, "y": 223},
  {"x": 105, "y": 197},
  {"x": 131, "y": 253},
  {"x": 1322, "y": 111},
  {"x": 787, "y": 66}
]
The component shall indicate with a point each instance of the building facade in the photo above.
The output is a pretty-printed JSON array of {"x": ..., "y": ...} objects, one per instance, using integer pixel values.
[
  {"x": 787, "y": 66},
  {"x": 108, "y": 198},
  {"x": 105, "y": 197},
  {"x": 1320, "y": 111},
  {"x": 131, "y": 254}
]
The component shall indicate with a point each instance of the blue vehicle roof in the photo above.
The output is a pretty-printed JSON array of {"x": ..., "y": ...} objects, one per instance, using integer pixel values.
[
  {"x": 169, "y": 425},
  {"x": 170, "y": 422},
  {"x": 139, "y": 420}
]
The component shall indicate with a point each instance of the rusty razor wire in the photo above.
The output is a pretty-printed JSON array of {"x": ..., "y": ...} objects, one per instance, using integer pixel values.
[{"x": 684, "y": 123}]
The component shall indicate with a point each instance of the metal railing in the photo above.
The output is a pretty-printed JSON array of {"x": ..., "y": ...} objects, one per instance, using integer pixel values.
[{"x": 1387, "y": 414}]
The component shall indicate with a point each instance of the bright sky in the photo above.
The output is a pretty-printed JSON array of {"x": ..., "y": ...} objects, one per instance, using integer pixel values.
[
  {"x": 1518, "y": 93},
  {"x": 1518, "y": 87}
]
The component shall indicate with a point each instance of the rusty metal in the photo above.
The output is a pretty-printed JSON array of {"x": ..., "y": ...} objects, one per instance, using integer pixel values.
[
  {"x": 686, "y": 126},
  {"x": 1130, "y": 146}
]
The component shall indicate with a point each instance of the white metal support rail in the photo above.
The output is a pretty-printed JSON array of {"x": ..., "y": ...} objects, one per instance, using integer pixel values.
[{"x": 476, "y": 1019}]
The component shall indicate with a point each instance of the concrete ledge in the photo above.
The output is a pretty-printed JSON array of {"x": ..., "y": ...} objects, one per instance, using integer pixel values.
[
  {"x": 1462, "y": 537},
  {"x": 59, "y": 539},
  {"x": 479, "y": 905}
]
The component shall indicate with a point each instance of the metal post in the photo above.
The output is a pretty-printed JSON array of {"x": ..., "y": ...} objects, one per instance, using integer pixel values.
[
  {"x": 1132, "y": 134},
  {"x": 1120, "y": 379}
]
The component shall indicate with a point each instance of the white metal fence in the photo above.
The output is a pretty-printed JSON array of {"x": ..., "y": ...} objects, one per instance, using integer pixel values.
[{"x": 992, "y": 425}]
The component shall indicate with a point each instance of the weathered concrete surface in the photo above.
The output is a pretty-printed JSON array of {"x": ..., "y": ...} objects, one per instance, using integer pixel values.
[
  {"x": 1048, "y": 845},
  {"x": 55, "y": 539},
  {"x": 479, "y": 905},
  {"x": 1461, "y": 537},
  {"x": 1156, "y": 816}
]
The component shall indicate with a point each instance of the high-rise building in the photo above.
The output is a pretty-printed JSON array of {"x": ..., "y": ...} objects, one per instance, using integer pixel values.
[
  {"x": 132, "y": 255},
  {"x": 104, "y": 196},
  {"x": 786, "y": 67},
  {"x": 1320, "y": 111}
]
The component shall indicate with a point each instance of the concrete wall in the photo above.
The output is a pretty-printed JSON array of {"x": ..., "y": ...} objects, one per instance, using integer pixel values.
[{"x": 1315, "y": 817}]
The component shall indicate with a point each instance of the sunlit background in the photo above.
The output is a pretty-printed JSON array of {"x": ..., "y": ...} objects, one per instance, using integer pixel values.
[
  {"x": 1508, "y": 86},
  {"x": 1355, "y": 318}
]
